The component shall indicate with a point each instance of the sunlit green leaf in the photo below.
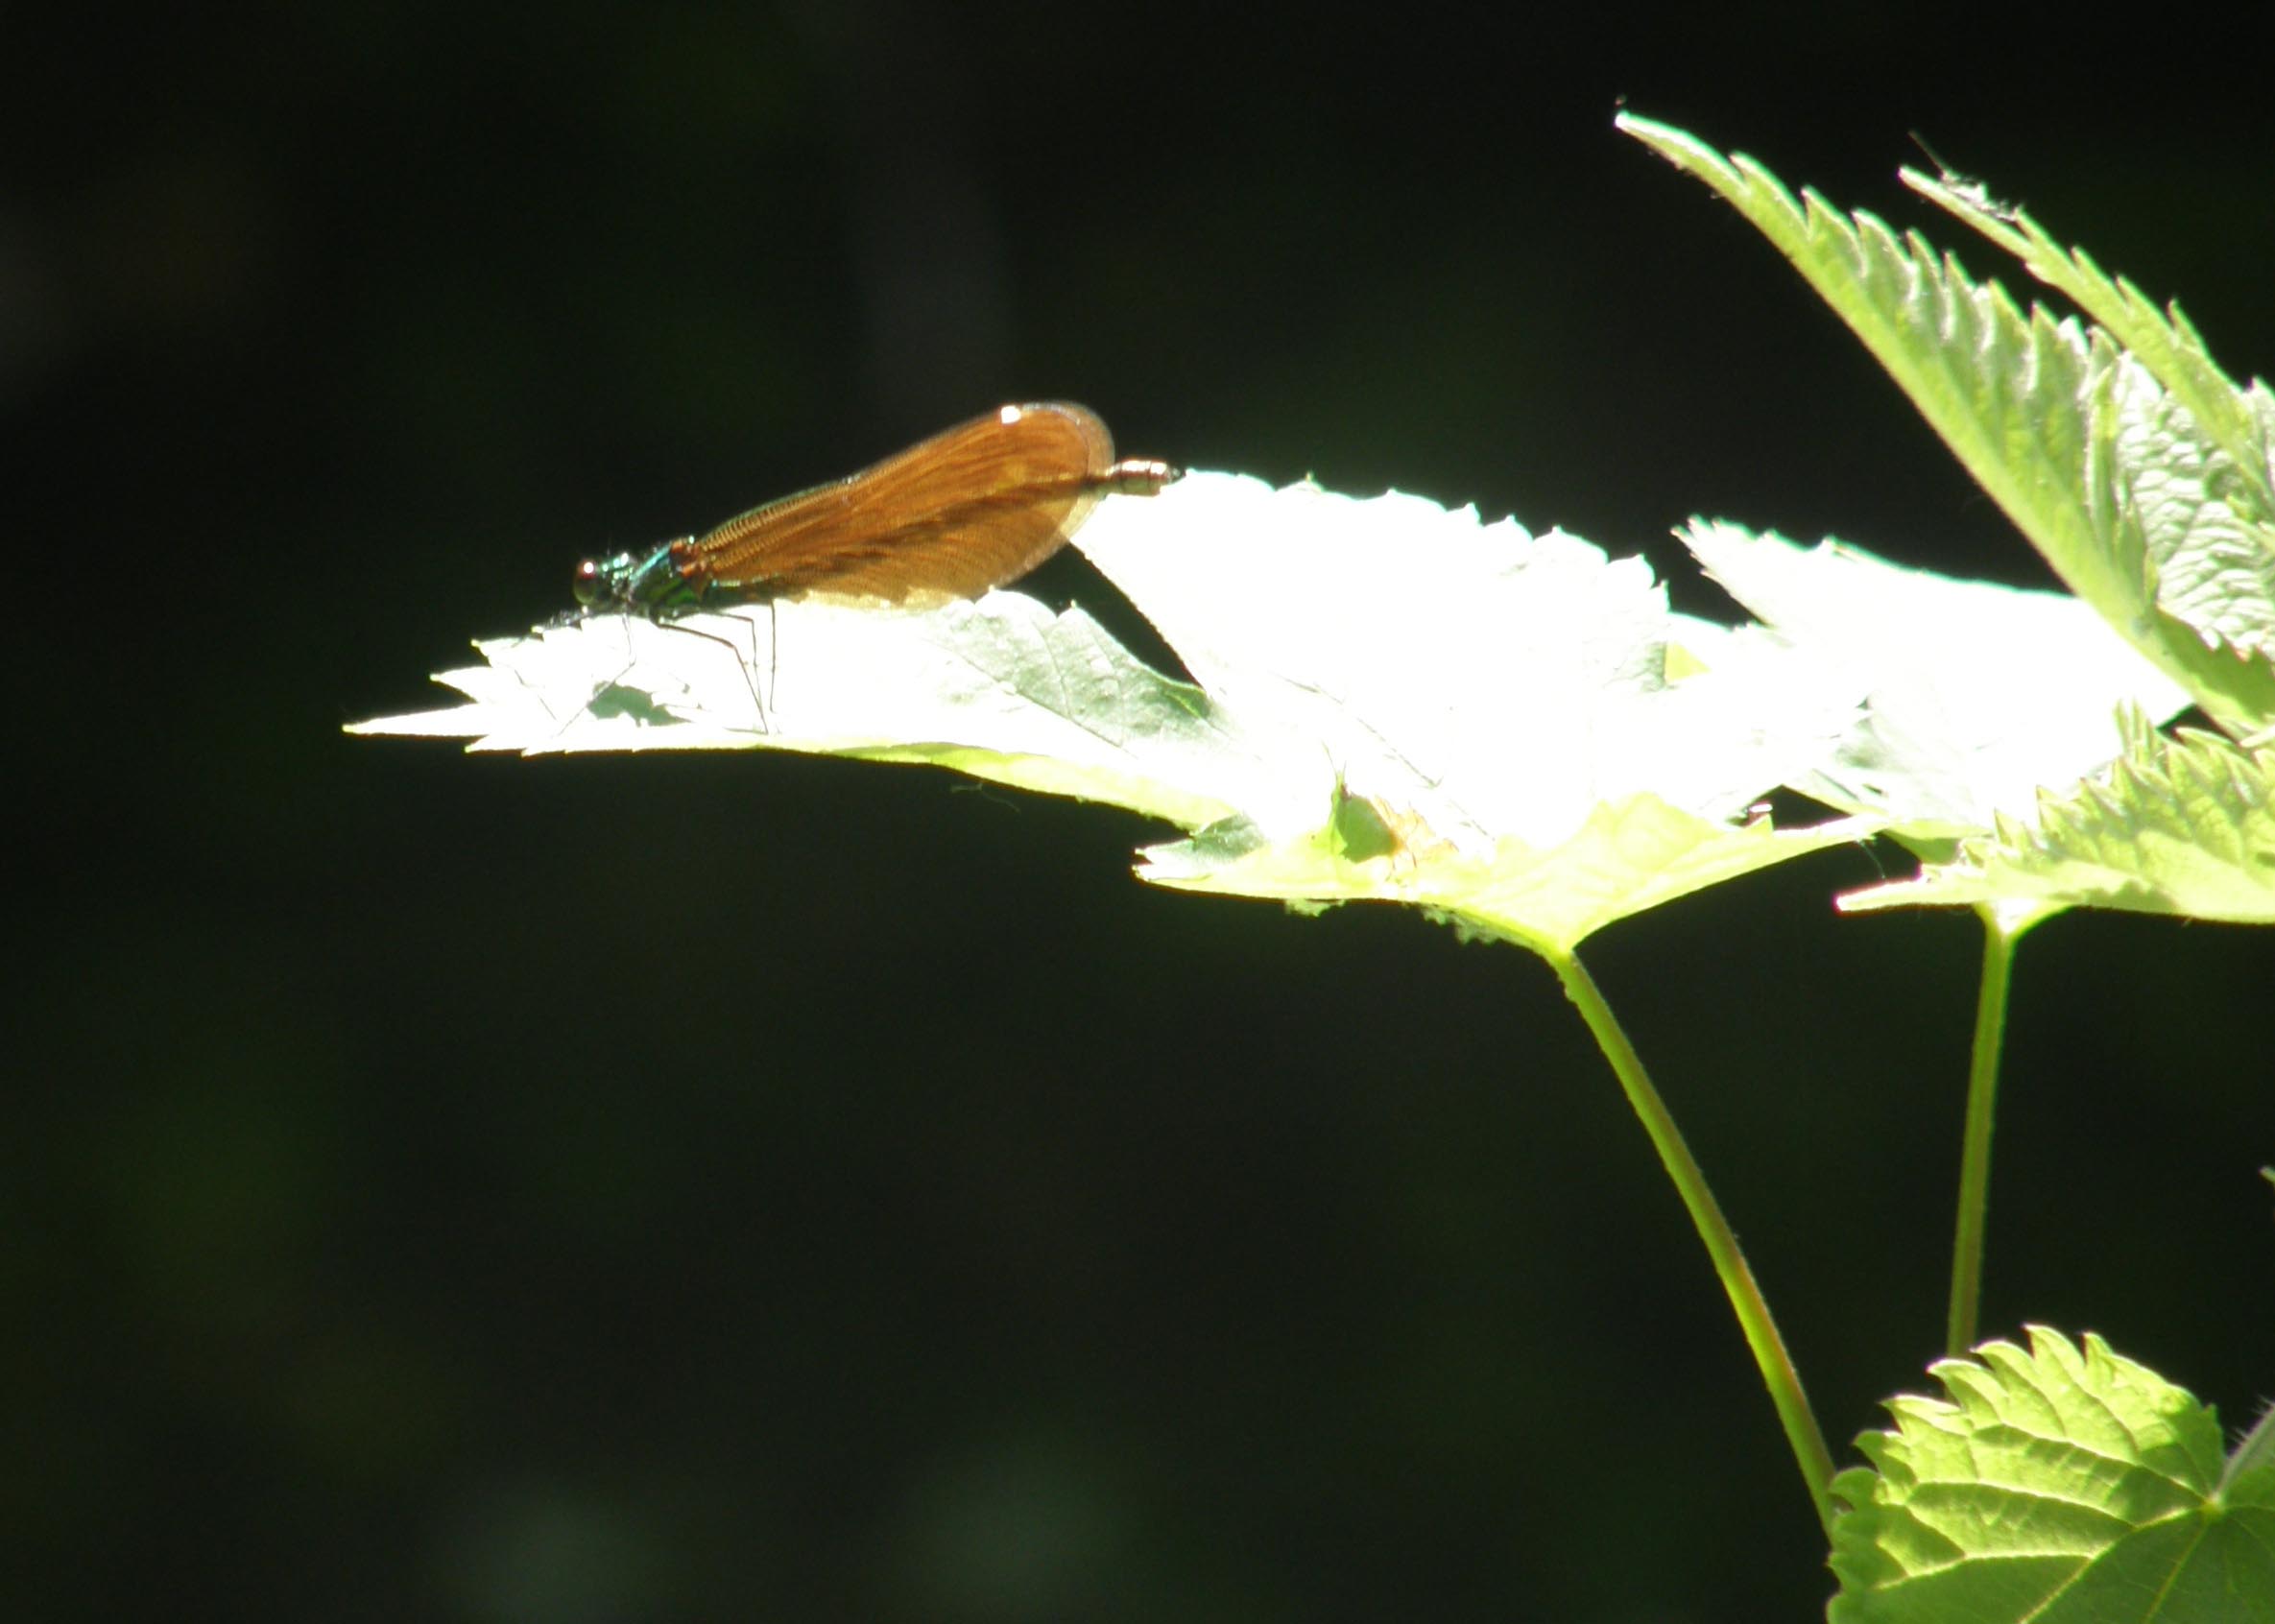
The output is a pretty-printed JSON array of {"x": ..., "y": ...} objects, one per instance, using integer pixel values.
[
  {"x": 2052, "y": 1486},
  {"x": 2145, "y": 514},
  {"x": 1390, "y": 701}
]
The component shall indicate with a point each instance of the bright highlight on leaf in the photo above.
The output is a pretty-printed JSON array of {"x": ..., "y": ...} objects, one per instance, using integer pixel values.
[
  {"x": 2052, "y": 1484},
  {"x": 1497, "y": 702},
  {"x": 1976, "y": 694}
]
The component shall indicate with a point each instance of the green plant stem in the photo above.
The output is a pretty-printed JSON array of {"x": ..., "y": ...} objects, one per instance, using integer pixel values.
[
  {"x": 1753, "y": 1317},
  {"x": 2002, "y": 930}
]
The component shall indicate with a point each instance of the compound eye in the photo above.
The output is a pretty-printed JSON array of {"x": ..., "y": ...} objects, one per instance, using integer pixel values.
[{"x": 591, "y": 584}]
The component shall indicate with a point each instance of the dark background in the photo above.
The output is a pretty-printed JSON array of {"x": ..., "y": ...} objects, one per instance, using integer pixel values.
[{"x": 469, "y": 1188}]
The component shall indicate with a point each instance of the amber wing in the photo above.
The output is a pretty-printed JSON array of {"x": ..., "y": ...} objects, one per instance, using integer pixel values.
[{"x": 972, "y": 508}]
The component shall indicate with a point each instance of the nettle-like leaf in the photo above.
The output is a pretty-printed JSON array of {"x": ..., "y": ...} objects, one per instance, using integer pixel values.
[
  {"x": 1497, "y": 702},
  {"x": 1976, "y": 694},
  {"x": 2054, "y": 1487},
  {"x": 2240, "y": 421},
  {"x": 2179, "y": 825},
  {"x": 2155, "y": 513}
]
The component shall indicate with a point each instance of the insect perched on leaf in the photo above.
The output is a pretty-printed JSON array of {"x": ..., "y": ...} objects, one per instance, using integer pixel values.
[{"x": 968, "y": 510}]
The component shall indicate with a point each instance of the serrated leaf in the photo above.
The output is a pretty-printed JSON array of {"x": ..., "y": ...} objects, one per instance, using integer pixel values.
[
  {"x": 2202, "y": 521},
  {"x": 1976, "y": 694},
  {"x": 2141, "y": 513},
  {"x": 2054, "y": 1487},
  {"x": 1489, "y": 691},
  {"x": 2240, "y": 421},
  {"x": 2250, "y": 1474},
  {"x": 2182, "y": 826}
]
